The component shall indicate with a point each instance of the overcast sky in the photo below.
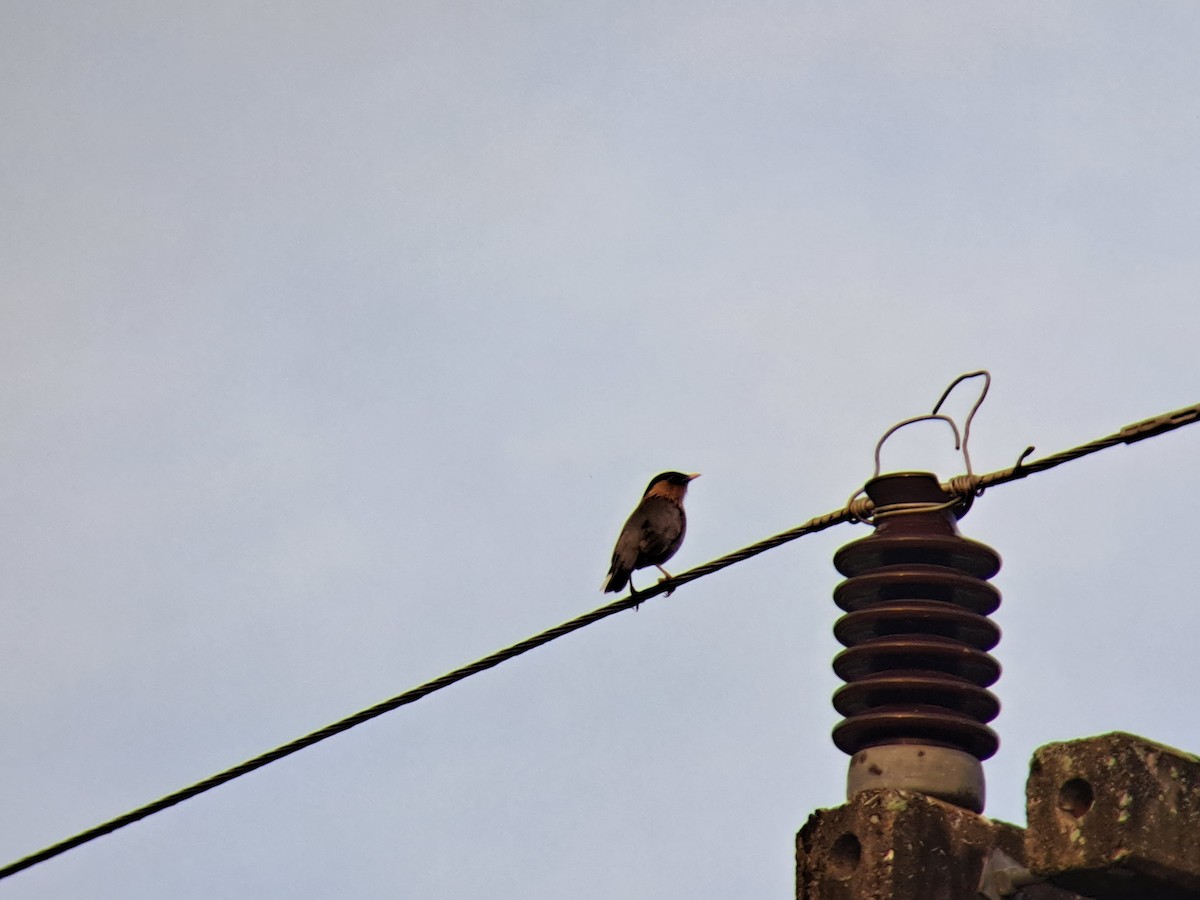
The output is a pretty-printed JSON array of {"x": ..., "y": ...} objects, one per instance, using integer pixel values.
[{"x": 337, "y": 341}]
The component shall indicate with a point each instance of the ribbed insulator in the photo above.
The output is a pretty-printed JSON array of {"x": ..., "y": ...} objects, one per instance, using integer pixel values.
[{"x": 916, "y": 630}]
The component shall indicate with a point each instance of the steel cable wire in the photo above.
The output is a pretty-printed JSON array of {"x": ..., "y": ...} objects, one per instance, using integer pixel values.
[{"x": 850, "y": 513}]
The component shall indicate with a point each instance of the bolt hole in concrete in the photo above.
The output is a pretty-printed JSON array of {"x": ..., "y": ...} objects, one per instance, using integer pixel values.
[
  {"x": 844, "y": 856},
  {"x": 1076, "y": 797}
]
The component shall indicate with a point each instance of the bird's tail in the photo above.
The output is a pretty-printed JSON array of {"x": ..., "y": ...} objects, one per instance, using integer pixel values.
[{"x": 616, "y": 579}]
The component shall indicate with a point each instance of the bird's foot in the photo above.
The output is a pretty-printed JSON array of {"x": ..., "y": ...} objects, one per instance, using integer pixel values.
[{"x": 667, "y": 576}]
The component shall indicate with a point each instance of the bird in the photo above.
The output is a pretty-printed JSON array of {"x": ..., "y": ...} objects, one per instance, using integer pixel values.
[{"x": 653, "y": 532}]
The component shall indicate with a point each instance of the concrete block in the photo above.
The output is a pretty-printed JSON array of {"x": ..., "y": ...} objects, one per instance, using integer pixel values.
[
  {"x": 1115, "y": 817},
  {"x": 897, "y": 845}
]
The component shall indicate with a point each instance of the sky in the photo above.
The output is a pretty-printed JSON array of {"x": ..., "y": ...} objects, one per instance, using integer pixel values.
[{"x": 337, "y": 341}]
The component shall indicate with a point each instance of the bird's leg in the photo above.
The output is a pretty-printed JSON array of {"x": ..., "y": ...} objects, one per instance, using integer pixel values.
[
  {"x": 666, "y": 576},
  {"x": 633, "y": 593}
]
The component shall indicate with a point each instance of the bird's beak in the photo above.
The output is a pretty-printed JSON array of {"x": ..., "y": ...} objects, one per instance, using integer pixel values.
[{"x": 693, "y": 476}]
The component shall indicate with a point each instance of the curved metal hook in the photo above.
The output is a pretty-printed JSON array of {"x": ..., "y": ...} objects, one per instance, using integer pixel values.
[
  {"x": 958, "y": 444},
  {"x": 859, "y": 513},
  {"x": 987, "y": 383}
]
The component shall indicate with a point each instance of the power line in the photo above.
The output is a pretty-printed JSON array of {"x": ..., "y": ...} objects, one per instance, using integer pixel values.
[{"x": 962, "y": 486}]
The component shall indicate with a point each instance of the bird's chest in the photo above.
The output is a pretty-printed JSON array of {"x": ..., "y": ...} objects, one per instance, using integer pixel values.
[{"x": 662, "y": 528}]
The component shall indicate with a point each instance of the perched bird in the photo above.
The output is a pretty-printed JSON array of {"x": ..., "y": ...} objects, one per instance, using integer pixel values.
[{"x": 654, "y": 531}]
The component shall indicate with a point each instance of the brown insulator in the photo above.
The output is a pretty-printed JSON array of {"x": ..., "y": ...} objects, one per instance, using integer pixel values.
[{"x": 917, "y": 630}]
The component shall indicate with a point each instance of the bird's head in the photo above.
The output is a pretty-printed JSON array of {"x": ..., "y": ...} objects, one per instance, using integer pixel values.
[{"x": 670, "y": 484}]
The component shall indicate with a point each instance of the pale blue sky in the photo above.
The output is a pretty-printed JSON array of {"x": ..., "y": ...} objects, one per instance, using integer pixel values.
[{"x": 338, "y": 340}]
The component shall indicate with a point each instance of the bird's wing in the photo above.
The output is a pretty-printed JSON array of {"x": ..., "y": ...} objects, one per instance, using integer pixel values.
[{"x": 630, "y": 542}]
